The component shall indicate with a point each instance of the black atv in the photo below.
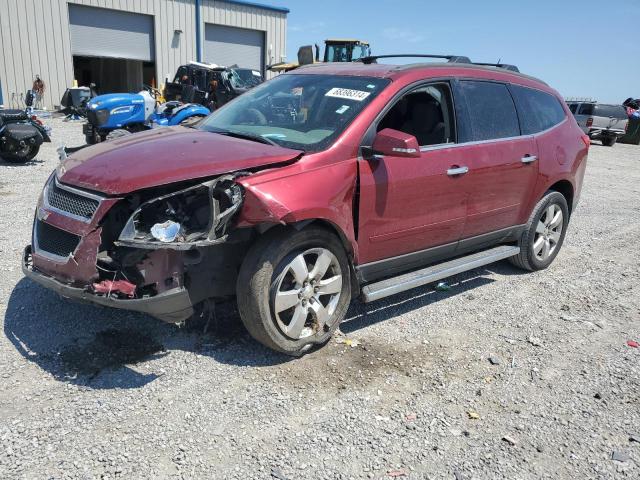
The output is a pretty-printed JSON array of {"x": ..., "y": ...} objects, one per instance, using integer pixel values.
[{"x": 209, "y": 85}]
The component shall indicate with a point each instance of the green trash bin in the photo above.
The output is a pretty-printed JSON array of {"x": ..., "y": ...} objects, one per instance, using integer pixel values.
[{"x": 633, "y": 132}]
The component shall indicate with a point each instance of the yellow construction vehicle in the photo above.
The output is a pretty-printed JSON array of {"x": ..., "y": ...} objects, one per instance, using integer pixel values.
[
  {"x": 345, "y": 50},
  {"x": 335, "y": 50}
]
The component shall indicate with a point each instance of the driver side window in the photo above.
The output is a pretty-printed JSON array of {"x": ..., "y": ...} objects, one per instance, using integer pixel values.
[{"x": 426, "y": 113}]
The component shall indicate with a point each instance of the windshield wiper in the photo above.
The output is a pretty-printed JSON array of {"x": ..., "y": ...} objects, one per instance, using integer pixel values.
[{"x": 245, "y": 136}]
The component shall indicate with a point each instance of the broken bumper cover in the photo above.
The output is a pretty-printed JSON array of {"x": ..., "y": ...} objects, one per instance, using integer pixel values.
[{"x": 173, "y": 306}]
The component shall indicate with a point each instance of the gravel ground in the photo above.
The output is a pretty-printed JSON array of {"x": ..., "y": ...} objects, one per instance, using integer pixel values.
[{"x": 507, "y": 375}]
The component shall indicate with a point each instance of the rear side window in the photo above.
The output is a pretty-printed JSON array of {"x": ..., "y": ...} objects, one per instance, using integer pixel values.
[
  {"x": 538, "y": 110},
  {"x": 586, "y": 109},
  {"x": 491, "y": 110},
  {"x": 615, "y": 111},
  {"x": 573, "y": 107}
]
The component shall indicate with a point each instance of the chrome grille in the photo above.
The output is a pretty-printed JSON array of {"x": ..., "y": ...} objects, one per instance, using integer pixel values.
[
  {"x": 71, "y": 202},
  {"x": 55, "y": 241}
]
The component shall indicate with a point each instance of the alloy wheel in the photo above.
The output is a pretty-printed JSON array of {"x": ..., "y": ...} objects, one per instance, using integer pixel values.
[
  {"x": 307, "y": 293},
  {"x": 548, "y": 232}
]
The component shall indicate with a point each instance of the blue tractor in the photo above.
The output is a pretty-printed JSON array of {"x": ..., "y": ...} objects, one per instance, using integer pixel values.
[{"x": 118, "y": 114}]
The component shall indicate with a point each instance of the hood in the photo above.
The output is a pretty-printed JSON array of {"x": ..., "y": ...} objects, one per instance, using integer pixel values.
[
  {"x": 110, "y": 99},
  {"x": 163, "y": 156}
]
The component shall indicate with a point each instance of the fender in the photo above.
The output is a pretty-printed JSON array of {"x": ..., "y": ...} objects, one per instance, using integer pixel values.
[
  {"x": 305, "y": 194},
  {"x": 188, "y": 111}
]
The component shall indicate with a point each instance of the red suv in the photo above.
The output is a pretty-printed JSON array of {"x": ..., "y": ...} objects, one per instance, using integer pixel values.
[{"x": 328, "y": 183}]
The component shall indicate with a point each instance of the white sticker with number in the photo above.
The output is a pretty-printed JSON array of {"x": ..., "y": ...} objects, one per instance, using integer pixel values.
[{"x": 348, "y": 94}]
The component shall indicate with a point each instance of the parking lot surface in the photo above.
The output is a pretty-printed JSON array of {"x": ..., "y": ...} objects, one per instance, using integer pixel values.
[{"x": 505, "y": 375}]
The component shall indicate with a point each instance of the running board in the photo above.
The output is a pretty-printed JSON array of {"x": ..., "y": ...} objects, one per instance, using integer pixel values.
[{"x": 407, "y": 281}]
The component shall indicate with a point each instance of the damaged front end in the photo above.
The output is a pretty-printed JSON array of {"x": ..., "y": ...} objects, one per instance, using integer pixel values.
[
  {"x": 160, "y": 251},
  {"x": 194, "y": 217}
]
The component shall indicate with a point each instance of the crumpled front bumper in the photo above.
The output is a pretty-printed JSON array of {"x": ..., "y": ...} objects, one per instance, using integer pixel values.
[{"x": 173, "y": 306}]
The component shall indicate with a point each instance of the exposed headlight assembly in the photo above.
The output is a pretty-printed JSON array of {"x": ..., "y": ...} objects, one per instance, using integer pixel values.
[{"x": 194, "y": 217}]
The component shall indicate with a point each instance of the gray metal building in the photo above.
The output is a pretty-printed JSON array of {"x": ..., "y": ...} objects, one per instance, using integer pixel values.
[{"x": 120, "y": 44}]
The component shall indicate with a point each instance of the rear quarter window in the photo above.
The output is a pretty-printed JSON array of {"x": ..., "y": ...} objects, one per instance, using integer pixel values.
[
  {"x": 538, "y": 110},
  {"x": 586, "y": 109},
  {"x": 491, "y": 110}
]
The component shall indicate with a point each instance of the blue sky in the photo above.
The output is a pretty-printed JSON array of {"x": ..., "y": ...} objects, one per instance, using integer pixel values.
[{"x": 580, "y": 47}]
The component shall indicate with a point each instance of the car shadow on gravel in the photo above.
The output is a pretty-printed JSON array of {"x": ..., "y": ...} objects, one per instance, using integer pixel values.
[
  {"x": 80, "y": 343},
  {"x": 104, "y": 348},
  {"x": 361, "y": 315},
  {"x": 35, "y": 161}
]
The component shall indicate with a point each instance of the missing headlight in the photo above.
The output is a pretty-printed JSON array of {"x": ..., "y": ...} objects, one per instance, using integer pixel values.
[{"x": 195, "y": 216}]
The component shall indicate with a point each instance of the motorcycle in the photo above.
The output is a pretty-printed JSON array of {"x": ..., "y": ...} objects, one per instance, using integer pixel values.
[
  {"x": 118, "y": 114},
  {"x": 21, "y": 133}
]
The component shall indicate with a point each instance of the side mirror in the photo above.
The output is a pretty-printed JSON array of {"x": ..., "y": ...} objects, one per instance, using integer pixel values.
[{"x": 395, "y": 144}]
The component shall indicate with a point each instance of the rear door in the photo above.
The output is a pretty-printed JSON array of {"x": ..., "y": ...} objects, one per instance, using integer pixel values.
[{"x": 502, "y": 162}]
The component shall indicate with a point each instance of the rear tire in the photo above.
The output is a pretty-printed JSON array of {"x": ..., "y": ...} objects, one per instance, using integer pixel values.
[
  {"x": 609, "y": 141},
  {"x": 294, "y": 288},
  {"x": 543, "y": 237},
  {"x": 22, "y": 157}
]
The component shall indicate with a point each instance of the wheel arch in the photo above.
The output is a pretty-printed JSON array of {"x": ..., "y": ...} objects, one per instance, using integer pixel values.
[
  {"x": 327, "y": 225},
  {"x": 564, "y": 187}
]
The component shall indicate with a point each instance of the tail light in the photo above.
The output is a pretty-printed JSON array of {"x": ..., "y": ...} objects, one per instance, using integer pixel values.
[
  {"x": 586, "y": 140},
  {"x": 589, "y": 122},
  {"x": 37, "y": 120}
]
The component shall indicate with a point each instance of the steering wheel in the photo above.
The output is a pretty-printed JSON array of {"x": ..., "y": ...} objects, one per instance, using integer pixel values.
[{"x": 255, "y": 116}]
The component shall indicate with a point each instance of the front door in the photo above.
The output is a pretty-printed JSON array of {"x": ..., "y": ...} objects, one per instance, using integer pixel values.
[{"x": 409, "y": 205}]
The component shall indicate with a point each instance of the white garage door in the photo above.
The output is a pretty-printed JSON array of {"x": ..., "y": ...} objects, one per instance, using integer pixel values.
[
  {"x": 100, "y": 32},
  {"x": 228, "y": 46}
]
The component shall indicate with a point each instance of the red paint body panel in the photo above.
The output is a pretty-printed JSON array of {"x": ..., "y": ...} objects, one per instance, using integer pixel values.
[
  {"x": 294, "y": 193},
  {"x": 501, "y": 184},
  {"x": 405, "y": 204},
  {"x": 163, "y": 156},
  {"x": 409, "y": 204}
]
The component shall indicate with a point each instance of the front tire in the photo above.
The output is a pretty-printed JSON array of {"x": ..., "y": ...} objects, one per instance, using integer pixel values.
[
  {"x": 543, "y": 237},
  {"x": 294, "y": 289}
]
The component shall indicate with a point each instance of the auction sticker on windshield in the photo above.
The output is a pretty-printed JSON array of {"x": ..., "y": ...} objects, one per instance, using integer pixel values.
[{"x": 348, "y": 94}]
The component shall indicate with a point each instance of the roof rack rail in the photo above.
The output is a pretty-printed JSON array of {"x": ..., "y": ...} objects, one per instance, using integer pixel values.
[
  {"x": 506, "y": 66},
  {"x": 450, "y": 58}
]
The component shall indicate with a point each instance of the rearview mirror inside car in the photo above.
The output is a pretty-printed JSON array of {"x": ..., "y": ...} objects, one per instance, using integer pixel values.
[{"x": 395, "y": 143}]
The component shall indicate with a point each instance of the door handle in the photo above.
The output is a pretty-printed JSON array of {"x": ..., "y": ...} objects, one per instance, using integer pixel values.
[
  {"x": 453, "y": 171},
  {"x": 529, "y": 159}
]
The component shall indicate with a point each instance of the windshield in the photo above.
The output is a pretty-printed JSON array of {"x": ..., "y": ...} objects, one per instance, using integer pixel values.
[
  {"x": 337, "y": 53},
  {"x": 360, "y": 51},
  {"x": 304, "y": 112},
  {"x": 235, "y": 79},
  {"x": 250, "y": 77}
]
